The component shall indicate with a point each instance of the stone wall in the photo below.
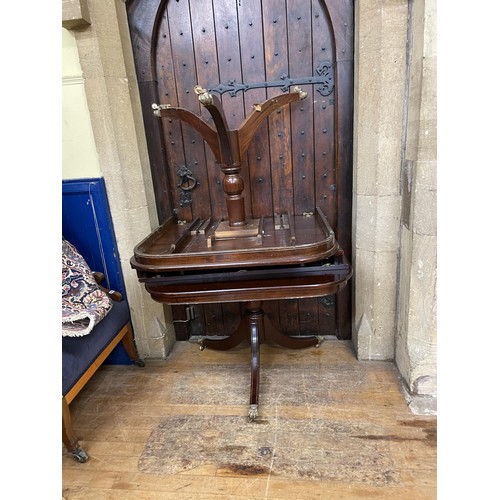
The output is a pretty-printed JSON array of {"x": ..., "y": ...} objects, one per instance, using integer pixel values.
[
  {"x": 395, "y": 190},
  {"x": 380, "y": 72},
  {"x": 416, "y": 340}
]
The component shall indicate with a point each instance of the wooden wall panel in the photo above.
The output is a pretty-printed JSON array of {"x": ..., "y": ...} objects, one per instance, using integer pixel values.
[
  {"x": 302, "y": 131},
  {"x": 324, "y": 131},
  {"x": 253, "y": 66},
  {"x": 207, "y": 72},
  {"x": 276, "y": 54}
]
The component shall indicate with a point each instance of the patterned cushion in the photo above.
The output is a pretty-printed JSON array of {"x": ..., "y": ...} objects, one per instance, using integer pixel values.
[{"x": 84, "y": 304}]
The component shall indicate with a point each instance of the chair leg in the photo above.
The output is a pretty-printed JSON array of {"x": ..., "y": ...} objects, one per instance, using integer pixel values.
[
  {"x": 68, "y": 437},
  {"x": 129, "y": 344}
]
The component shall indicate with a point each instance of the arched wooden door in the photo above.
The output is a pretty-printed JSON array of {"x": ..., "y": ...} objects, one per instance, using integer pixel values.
[{"x": 300, "y": 158}]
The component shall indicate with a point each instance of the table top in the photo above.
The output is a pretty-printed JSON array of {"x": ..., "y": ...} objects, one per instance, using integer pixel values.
[
  {"x": 273, "y": 283},
  {"x": 202, "y": 245}
]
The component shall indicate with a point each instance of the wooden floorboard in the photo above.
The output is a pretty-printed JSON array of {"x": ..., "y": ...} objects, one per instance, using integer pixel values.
[{"x": 115, "y": 414}]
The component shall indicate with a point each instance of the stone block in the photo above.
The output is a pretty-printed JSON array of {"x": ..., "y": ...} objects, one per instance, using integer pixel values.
[
  {"x": 393, "y": 67},
  {"x": 416, "y": 342},
  {"x": 422, "y": 329},
  {"x": 426, "y": 174},
  {"x": 420, "y": 404},
  {"x": 389, "y": 159},
  {"x": 88, "y": 50},
  {"x": 378, "y": 122},
  {"x": 75, "y": 14},
  {"x": 427, "y": 141},
  {"x": 146, "y": 315},
  {"x": 377, "y": 223},
  {"x": 424, "y": 207},
  {"x": 361, "y": 338},
  {"x": 428, "y": 106},
  {"x": 110, "y": 47},
  {"x": 138, "y": 225},
  {"x": 375, "y": 304},
  {"x": 384, "y": 24},
  {"x": 430, "y": 28}
]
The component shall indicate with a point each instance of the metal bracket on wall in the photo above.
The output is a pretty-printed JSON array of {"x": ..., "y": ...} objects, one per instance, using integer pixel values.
[{"x": 190, "y": 315}]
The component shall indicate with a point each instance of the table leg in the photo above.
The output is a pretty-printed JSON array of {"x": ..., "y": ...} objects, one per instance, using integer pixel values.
[
  {"x": 256, "y": 326},
  {"x": 255, "y": 369},
  {"x": 239, "y": 335},
  {"x": 274, "y": 335}
]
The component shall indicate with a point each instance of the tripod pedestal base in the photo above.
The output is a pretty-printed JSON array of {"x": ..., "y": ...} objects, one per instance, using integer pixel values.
[{"x": 257, "y": 327}]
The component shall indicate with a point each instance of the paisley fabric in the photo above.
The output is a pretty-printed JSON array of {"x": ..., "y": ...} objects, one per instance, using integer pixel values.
[{"x": 84, "y": 304}]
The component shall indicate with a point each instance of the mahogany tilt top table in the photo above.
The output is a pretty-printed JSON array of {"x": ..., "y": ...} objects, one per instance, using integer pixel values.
[{"x": 241, "y": 259}]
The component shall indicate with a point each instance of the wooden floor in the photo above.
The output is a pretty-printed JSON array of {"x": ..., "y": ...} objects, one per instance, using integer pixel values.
[{"x": 115, "y": 414}]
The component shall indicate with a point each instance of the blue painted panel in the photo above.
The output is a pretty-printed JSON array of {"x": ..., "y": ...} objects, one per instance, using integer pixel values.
[{"x": 87, "y": 224}]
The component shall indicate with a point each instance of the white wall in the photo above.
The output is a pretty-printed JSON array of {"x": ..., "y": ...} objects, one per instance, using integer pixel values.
[{"x": 79, "y": 155}]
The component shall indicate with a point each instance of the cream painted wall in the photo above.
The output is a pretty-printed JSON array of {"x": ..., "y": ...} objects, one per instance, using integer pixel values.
[{"x": 79, "y": 155}]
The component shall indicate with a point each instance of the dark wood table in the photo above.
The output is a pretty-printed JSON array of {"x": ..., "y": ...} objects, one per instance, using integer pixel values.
[{"x": 208, "y": 261}]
